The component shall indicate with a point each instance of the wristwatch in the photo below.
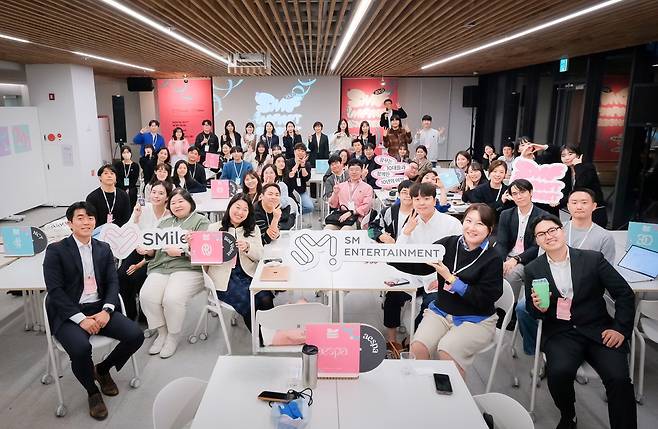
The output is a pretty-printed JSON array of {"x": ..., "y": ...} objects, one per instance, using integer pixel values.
[{"x": 108, "y": 310}]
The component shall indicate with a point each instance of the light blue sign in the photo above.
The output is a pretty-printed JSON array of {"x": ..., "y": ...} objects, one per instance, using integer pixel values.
[
  {"x": 321, "y": 166},
  {"x": 564, "y": 64},
  {"x": 17, "y": 240},
  {"x": 643, "y": 235},
  {"x": 449, "y": 178}
]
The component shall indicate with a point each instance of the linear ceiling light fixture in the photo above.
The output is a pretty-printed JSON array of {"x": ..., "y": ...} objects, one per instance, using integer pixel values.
[
  {"x": 524, "y": 33},
  {"x": 15, "y": 39},
  {"x": 164, "y": 29},
  {"x": 351, "y": 29},
  {"x": 110, "y": 60}
]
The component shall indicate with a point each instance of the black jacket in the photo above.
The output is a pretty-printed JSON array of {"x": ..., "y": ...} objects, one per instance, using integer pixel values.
[
  {"x": 318, "y": 150},
  {"x": 386, "y": 221},
  {"x": 383, "y": 122},
  {"x": 289, "y": 145},
  {"x": 586, "y": 177},
  {"x": 63, "y": 274},
  {"x": 484, "y": 193},
  {"x": 263, "y": 220},
  {"x": 213, "y": 144},
  {"x": 148, "y": 166},
  {"x": 121, "y": 209},
  {"x": 198, "y": 173},
  {"x": 237, "y": 142},
  {"x": 506, "y": 234},
  {"x": 591, "y": 276}
]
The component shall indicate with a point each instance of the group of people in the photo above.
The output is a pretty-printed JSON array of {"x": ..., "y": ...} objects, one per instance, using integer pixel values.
[{"x": 503, "y": 235}]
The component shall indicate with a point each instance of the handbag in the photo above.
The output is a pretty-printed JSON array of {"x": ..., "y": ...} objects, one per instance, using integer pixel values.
[{"x": 333, "y": 218}]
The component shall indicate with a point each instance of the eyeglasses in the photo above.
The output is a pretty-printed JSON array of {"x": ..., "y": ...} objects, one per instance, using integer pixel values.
[
  {"x": 517, "y": 193},
  {"x": 549, "y": 231}
]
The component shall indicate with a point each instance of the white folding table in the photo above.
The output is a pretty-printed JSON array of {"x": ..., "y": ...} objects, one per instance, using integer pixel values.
[{"x": 26, "y": 274}]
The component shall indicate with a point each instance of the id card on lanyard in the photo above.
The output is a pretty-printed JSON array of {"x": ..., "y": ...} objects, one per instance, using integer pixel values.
[{"x": 110, "y": 217}]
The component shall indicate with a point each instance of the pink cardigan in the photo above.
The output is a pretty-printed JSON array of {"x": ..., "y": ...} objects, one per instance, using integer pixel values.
[{"x": 362, "y": 197}]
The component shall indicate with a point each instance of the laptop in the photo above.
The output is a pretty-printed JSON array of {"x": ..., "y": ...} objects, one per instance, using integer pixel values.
[{"x": 640, "y": 261}]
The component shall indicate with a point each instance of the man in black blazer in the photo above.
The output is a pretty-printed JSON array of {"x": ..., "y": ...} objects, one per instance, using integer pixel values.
[
  {"x": 515, "y": 241},
  {"x": 385, "y": 118},
  {"x": 318, "y": 144},
  {"x": 83, "y": 294},
  {"x": 576, "y": 323}
]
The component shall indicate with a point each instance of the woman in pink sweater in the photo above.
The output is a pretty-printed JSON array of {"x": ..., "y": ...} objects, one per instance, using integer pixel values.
[{"x": 353, "y": 195}]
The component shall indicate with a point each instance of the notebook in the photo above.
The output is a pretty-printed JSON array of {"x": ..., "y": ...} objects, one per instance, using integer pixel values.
[
  {"x": 642, "y": 261},
  {"x": 275, "y": 273},
  {"x": 17, "y": 240},
  {"x": 339, "y": 348}
]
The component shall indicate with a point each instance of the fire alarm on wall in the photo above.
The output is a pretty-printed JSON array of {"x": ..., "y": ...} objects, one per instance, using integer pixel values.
[{"x": 51, "y": 96}]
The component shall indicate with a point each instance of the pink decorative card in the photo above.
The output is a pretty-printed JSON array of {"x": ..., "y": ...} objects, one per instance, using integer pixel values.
[
  {"x": 339, "y": 348},
  {"x": 212, "y": 160},
  {"x": 206, "y": 248},
  {"x": 219, "y": 189}
]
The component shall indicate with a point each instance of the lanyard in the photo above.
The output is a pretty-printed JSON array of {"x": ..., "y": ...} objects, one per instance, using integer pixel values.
[
  {"x": 114, "y": 200},
  {"x": 126, "y": 173},
  {"x": 585, "y": 238},
  {"x": 499, "y": 191},
  {"x": 352, "y": 192},
  {"x": 456, "y": 271},
  {"x": 239, "y": 175},
  {"x": 194, "y": 171}
]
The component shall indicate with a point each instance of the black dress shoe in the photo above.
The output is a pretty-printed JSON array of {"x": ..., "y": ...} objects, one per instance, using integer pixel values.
[
  {"x": 108, "y": 386},
  {"x": 570, "y": 423},
  {"x": 97, "y": 408}
]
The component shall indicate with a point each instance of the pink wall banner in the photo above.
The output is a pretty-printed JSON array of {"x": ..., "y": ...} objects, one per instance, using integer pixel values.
[
  {"x": 362, "y": 99},
  {"x": 184, "y": 105},
  {"x": 612, "y": 113}
]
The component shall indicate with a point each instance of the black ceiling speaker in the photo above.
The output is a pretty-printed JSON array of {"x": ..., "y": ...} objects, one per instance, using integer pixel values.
[
  {"x": 470, "y": 98},
  {"x": 140, "y": 84}
]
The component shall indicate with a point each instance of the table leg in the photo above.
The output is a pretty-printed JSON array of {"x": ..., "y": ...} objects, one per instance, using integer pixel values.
[
  {"x": 254, "y": 328},
  {"x": 412, "y": 316},
  {"x": 42, "y": 321},
  {"x": 330, "y": 294},
  {"x": 341, "y": 306},
  {"x": 26, "y": 309}
]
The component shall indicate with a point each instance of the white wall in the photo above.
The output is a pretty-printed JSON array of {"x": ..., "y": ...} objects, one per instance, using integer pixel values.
[{"x": 71, "y": 163}]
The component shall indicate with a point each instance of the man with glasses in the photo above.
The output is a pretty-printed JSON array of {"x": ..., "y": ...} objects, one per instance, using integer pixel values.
[
  {"x": 515, "y": 242},
  {"x": 576, "y": 323},
  {"x": 581, "y": 233}
]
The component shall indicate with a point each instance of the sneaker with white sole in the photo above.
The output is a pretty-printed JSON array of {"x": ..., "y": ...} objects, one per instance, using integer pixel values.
[
  {"x": 159, "y": 342},
  {"x": 169, "y": 347}
]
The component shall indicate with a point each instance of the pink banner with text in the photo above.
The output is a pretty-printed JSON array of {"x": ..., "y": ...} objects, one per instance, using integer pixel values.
[
  {"x": 184, "y": 105},
  {"x": 362, "y": 99}
]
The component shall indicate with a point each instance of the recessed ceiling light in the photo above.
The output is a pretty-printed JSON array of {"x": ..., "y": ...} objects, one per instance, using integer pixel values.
[
  {"x": 523, "y": 33},
  {"x": 15, "y": 39},
  {"x": 470, "y": 24},
  {"x": 110, "y": 60},
  {"x": 351, "y": 29},
  {"x": 168, "y": 30}
]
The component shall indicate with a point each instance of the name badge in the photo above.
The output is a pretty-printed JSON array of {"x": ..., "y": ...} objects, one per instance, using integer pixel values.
[
  {"x": 206, "y": 148},
  {"x": 563, "y": 311},
  {"x": 299, "y": 182},
  {"x": 90, "y": 286},
  {"x": 110, "y": 218},
  {"x": 237, "y": 181},
  {"x": 126, "y": 181}
]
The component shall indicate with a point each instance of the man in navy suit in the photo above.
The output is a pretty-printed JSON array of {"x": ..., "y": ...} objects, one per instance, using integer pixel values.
[{"x": 83, "y": 294}]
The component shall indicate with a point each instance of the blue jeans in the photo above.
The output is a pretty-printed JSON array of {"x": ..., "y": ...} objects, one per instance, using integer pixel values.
[
  {"x": 307, "y": 203},
  {"x": 527, "y": 327}
]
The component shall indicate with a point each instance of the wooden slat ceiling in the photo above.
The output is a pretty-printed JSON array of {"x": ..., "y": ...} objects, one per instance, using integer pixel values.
[{"x": 395, "y": 39}]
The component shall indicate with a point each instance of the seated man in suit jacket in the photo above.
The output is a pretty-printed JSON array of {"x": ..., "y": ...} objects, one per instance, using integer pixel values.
[
  {"x": 515, "y": 241},
  {"x": 577, "y": 326},
  {"x": 83, "y": 294}
]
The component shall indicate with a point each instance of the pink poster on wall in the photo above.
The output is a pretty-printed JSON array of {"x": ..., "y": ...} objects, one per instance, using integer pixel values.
[
  {"x": 184, "y": 105},
  {"x": 362, "y": 99},
  {"x": 612, "y": 112}
]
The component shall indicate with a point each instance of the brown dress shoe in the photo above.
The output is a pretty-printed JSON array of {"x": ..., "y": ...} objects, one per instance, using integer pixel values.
[
  {"x": 108, "y": 386},
  {"x": 97, "y": 408}
]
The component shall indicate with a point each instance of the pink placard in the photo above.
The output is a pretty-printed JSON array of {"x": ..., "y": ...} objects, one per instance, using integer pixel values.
[
  {"x": 545, "y": 179},
  {"x": 206, "y": 248},
  {"x": 339, "y": 348},
  {"x": 219, "y": 189},
  {"x": 212, "y": 160}
]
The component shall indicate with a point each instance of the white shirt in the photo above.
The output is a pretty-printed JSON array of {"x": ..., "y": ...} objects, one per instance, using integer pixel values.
[
  {"x": 430, "y": 139},
  {"x": 439, "y": 226},
  {"x": 148, "y": 219},
  {"x": 561, "y": 272},
  {"x": 87, "y": 271},
  {"x": 402, "y": 219},
  {"x": 520, "y": 232}
]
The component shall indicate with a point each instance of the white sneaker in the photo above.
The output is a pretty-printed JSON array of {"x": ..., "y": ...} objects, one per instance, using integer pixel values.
[
  {"x": 169, "y": 347},
  {"x": 159, "y": 341}
]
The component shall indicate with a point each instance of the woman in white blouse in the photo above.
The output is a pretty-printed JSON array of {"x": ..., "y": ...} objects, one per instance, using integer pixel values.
[{"x": 341, "y": 138}]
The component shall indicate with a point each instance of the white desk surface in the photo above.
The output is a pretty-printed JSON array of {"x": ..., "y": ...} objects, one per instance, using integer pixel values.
[
  {"x": 355, "y": 276},
  {"x": 206, "y": 204},
  {"x": 24, "y": 273},
  {"x": 230, "y": 398},
  {"x": 382, "y": 398}
]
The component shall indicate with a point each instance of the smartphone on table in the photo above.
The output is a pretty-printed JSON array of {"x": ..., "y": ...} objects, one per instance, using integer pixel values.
[
  {"x": 442, "y": 383},
  {"x": 268, "y": 396}
]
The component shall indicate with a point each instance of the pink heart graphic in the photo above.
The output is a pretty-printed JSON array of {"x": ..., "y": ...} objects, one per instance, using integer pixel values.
[
  {"x": 122, "y": 240},
  {"x": 545, "y": 179}
]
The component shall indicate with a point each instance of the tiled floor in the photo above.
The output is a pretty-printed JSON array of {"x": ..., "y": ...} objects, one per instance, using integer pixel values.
[{"x": 26, "y": 403}]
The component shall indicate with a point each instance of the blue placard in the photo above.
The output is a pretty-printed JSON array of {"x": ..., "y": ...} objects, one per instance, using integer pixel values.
[
  {"x": 564, "y": 64},
  {"x": 643, "y": 235},
  {"x": 321, "y": 166},
  {"x": 17, "y": 240},
  {"x": 449, "y": 178}
]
